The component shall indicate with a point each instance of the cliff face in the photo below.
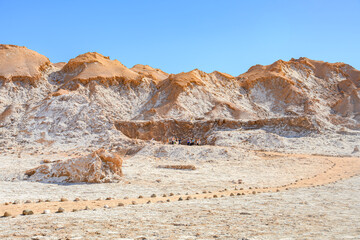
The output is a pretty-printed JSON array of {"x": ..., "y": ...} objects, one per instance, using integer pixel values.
[{"x": 86, "y": 97}]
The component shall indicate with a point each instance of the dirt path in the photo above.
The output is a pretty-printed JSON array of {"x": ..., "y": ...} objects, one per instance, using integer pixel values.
[{"x": 341, "y": 168}]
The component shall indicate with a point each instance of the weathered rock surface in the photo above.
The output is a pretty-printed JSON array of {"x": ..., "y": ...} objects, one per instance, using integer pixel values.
[
  {"x": 89, "y": 99},
  {"x": 100, "y": 166}
]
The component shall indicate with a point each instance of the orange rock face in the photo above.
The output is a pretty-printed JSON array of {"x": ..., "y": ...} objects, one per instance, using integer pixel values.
[
  {"x": 163, "y": 130},
  {"x": 21, "y": 64}
]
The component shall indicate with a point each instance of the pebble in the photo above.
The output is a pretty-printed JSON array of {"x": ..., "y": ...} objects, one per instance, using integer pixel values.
[
  {"x": 46, "y": 211},
  {"x": 60, "y": 210}
]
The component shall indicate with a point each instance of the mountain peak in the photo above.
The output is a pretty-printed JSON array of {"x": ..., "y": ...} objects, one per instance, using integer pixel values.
[{"x": 21, "y": 64}]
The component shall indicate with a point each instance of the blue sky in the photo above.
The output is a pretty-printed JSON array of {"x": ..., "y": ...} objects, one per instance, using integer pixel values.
[{"x": 176, "y": 36}]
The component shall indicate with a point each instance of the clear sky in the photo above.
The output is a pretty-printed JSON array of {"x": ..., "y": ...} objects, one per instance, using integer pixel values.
[{"x": 180, "y": 35}]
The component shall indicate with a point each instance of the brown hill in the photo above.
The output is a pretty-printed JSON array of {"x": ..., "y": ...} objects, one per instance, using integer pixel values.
[
  {"x": 147, "y": 71},
  {"x": 21, "y": 64},
  {"x": 94, "y": 66}
]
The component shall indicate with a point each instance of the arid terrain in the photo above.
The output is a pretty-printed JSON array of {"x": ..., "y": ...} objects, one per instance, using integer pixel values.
[{"x": 85, "y": 150}]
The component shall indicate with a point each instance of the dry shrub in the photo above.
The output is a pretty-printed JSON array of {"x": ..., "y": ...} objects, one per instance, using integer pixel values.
[{"x": 178, "y": 167}]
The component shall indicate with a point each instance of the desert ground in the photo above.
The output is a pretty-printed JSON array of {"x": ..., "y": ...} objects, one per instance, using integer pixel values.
[
  {"x": 234, "y": 193},
  {"x": 85, "y": 153}
]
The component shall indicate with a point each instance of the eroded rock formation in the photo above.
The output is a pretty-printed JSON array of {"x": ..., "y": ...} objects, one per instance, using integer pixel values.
[
  {"x": 97, "y": 167},
  {"x": 87, "y": 100}
]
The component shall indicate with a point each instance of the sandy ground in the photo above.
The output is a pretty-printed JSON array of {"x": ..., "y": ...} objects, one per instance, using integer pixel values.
[
  {"x": 323, "y": 212},
  {"x": 216, "y": 168},
  {"x": 284, "y": 211}
]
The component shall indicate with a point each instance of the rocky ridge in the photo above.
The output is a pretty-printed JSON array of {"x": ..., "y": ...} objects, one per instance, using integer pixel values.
[{"x": 88, "y": 99}]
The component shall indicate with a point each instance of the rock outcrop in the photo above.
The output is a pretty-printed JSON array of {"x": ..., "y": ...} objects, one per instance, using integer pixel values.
[{"x": 98, "y": 167}]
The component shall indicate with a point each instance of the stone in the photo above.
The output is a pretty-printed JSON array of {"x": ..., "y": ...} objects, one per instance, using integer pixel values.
[
  {"x": 46, "y": 211},
  {"x": 7, "y": 214},
  {"x": 28, "y": 212},
  {"x": 60, "y": 210}
]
